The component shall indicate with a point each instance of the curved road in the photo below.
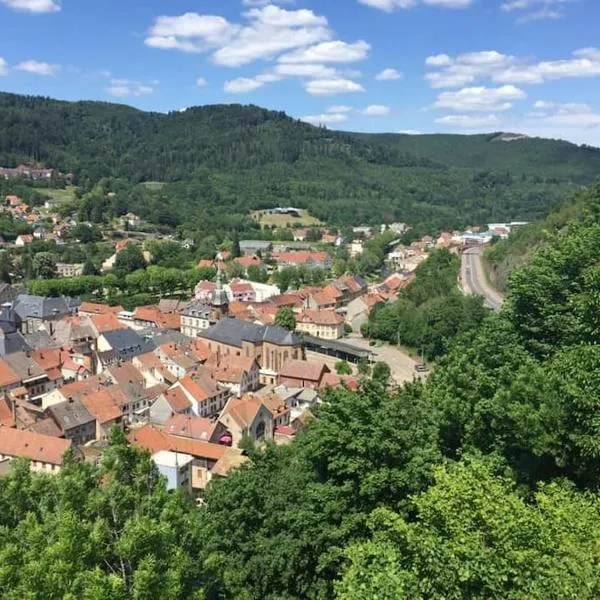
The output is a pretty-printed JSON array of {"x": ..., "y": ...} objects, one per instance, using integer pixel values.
[{"x": 474, "y": 281}]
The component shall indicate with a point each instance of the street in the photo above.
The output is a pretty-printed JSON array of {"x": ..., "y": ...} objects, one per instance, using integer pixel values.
[{"x": 474, "y": 280}]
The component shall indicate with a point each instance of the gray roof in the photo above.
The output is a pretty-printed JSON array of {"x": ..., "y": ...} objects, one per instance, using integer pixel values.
[
  {"x": 24, "y": 366},
  {"x": 70, "y": 414},
  {"x": 164, "y": 336},
  {"x": 255, "y": 244},
  {"x": 128, "y": 343},
  {"x": 198, "y": 309},
  {"x": 233, "y": 332},
  {"x": 11, "y": 340},
  {"x": 40, "y": 339},
  {"x": 27, "y": 306}
]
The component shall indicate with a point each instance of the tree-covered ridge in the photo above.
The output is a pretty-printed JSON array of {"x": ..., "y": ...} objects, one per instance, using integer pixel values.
[{"x": 231, "y": 159}]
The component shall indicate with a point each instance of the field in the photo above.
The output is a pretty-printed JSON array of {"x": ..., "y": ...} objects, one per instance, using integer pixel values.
[
  {"x": 283, "y": 220},
  {"x": 65, "y": 195},
  {"x": 153, "y": 185}
]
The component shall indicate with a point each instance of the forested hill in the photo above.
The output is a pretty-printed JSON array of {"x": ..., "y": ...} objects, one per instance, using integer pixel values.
[{"x": 245, "y": 157}]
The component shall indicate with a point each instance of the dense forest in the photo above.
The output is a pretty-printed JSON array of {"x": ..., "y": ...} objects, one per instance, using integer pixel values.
[
  {"x": 481, "y": 483},
  {"x": 220, "y": 162}
]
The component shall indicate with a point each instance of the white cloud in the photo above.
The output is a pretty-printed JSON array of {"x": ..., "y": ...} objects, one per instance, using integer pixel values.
[
  {"x": 376, "y": 110},
  {"x": 543, "y": 104},
  {"x": 438, "y": 60},
  {"x": 126, "y": 87},
  {"x": 536, "y": 10},
  {"x": 269, "y": 31},
  {"x": 242, "y": 85},
  {"x": 468, "y": 68},
  {"x": 313, "y": 71},
  {"x": 265, "y": 2},
  {"x": 329, "y": 52},
  {"x": 388, "y": 74},
  {"x": 3, "y": 67},
  {"x": 469, "y": 121},
  {"x": 480, "y": 98},
  {"x": 411, "y": 132},
  {"x": 33, "y": 6},
  {"x": 325, "y": 118},
  {"x": 391, "y": 5},
  {"x": 37, "y": 67},
  {"x": 338, "y": 108},
  {"x": 331, "y": 87},
  {"x": 201, "y": 82}
]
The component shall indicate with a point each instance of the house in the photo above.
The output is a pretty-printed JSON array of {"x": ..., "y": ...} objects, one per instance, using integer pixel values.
[
  {"x": 40, "y": 233},
  {"x": 207, "y": 397},
  {"x": 45, "y": 453},
  {"x": 302, "y": 374},
  {"x": 69, "y": 270},
  {"x": 31, "y": 312},
  {"x": 196, "y": 318},
  {"x": 102, "y": 405},
  {"x": 121, "y": 345},
  {"x": 195, "y": 428},
  {"x": 180, "y": 359},
  {"x": 311, "y": 260},
  {"x": 176, "y": 467},
  {"x": 151, "y": 316},
  {"x": 11, "y": 340},
  {"x": 50, "y": 360},
  {"x": 250, "y": 291},
  {"x": 242, "y": 291},
  {"x": 130, "y": 221},
  {"x": 240, "y": 376},
  {"x": 169, "y": 404},
  {"x": 271, "y": 345},
  {"x": 250, "y": 260},
  {"x": 24, "y": 240},
  {"x": 74, "y": 389},
  {"x": 52, "y": 203},
  {"x": 247, "y": 416},
  {"x": 8, "y": 293},
  {"x": 9, "y": 379},
  {"x": 33, "y": 378},
  {"x": 13, "y": 201},
  {"x": 74, "y": 420},
  {"x": 90, "y": 309},
  {"x": 249, "y": 247},
  {"x": 280, "y": 412},
  {"x": 358, "y": 311},
  {"x": 356, "y": 248},
  {"x": 326, "y": 324}
]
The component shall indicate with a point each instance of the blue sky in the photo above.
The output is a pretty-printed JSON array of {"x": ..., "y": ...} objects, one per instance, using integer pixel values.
[{"x": 529, "y": 66}]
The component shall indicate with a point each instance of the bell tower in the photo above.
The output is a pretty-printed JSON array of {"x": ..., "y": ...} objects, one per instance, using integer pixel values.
[{"x": 219, "y": 300}]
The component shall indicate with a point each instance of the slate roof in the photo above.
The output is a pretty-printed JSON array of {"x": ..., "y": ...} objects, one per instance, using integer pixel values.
[
  {"x": 24, "y": 366},
  {"x": 128, "y": 343},
  {"x": 70, "y": 414},
  {"x": 233, "y": 332},
  {"x": 11, "y": 340},
  {"x": 39, "y": 307},
  {"x": 39, "y": 339}
]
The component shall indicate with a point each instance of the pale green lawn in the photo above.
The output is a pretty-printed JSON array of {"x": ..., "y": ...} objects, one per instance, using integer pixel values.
[{"x": 282, "y": 220}]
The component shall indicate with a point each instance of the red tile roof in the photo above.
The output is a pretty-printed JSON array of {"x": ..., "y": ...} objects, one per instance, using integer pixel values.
[
  {"x": 154, "y": 440},
  {"x": 35, "y": 446},
  {"x": 303, "y": 369},
  {"x": 243, "y": 410},
  {"x": 332, "y": 380},
  {"x": 189, "y": 426},
  {"x": 92, "y": 308},
  {"x": 7, "y": 376},
  {"x": 106, "y": 322},
  {"x": 177, "y": 400},
  {"x": 102, "y": 406},
  {"x": 320, "y": 317}
]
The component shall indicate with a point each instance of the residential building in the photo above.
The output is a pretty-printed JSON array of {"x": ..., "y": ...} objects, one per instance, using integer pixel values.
[
  {"x": 196, "y": 318},
  {"x": 24, "y": 240},
  {"x": 302, "y": 374},
  {"x": 45, "y": 453},
  {"x": 121, "y": 345},
  {"x": 152, "y": 316},
  {"x": 74, "y": 420},
  {"x": 326, "y": 324},
  {"x": 207, "y": 397},
  {"x": 311, "y": 260},
  {"x": 31, "y": 312},
  {"x": 358, "y": 311},
  {"x": 34, "y": 379},
  {"x": 196, "y": 428},
  {"x": 69, "y": 270},
  {"x": 9, "y": 379},
  {"x": 177, "y": 468},
  {"x": 170, "y": 403},
  {"x": 240, "y": 376},
  {"x": 102, "y": 405}
]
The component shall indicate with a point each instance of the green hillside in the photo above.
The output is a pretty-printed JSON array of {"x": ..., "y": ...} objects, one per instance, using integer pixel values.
[{"x": 221, "y": 162}]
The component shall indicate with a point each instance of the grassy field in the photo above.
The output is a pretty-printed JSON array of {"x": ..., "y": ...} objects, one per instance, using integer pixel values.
[
  {"x": 282, "y": 220},
  {"x": 65, "y": 195}
]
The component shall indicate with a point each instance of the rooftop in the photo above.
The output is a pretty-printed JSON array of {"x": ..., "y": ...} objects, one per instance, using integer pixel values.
[
  {"x": 233, "y": 332},
  {"x": 35, "y": 446}
]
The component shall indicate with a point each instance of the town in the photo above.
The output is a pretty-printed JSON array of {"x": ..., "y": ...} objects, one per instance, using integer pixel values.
[{"x": 188, "y": 378}]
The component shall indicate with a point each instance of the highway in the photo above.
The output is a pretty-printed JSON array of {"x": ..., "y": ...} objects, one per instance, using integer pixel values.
[{"x": 474, "y": 281}]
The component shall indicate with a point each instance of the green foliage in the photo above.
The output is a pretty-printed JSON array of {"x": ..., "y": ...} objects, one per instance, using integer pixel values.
[
  {"x": 107, "y": 532},
  {"x": 476, "y": 537},
  {"x": 130, "y": 259},
  {"x": 286, "y": 318},
  {"x": 218, "y": 163},
  {"x": 277, "y": 528},
  {"x": 430, "y": 313},
  {"x": 381, "y": 373},
  {"x": 343, "y": 368},
  {"x": 44, "y": 265}
]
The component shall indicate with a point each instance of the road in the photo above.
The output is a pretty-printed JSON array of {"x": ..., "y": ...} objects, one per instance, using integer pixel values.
[
  {"x": 474, "y": 281},
  {"x": 402, "y": 366}
]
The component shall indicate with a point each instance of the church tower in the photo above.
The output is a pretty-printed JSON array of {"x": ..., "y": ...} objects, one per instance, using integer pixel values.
[{"x": 219, "y": 301}]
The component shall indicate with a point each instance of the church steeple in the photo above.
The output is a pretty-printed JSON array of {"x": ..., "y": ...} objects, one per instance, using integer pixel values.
[{"x": 219, "y": 299}]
